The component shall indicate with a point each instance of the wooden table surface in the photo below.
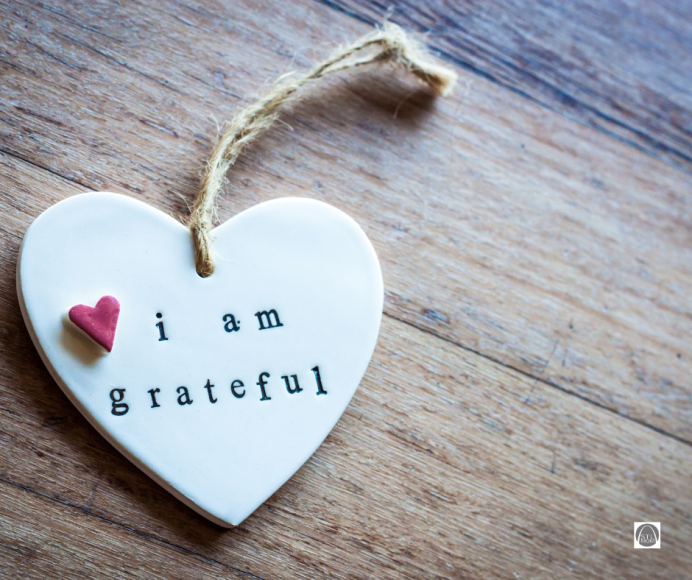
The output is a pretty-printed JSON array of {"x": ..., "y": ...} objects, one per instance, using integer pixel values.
[{"x": 530, "y": 395}]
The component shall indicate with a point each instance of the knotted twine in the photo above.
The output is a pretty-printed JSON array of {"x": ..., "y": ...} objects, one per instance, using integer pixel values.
[{"x": 388, "y": 44}]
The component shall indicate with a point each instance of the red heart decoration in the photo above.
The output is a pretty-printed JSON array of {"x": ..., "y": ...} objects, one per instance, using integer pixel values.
[{"x": 98, "y": 322}]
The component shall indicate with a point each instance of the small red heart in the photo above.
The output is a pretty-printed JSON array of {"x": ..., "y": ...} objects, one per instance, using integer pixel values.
[{"x": 99, "y": 322}]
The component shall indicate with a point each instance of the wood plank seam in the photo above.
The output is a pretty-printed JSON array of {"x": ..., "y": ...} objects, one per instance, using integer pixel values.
[
  {"x": 544, "y": 381},
  {"x": 44, "y": 168},
  {"x": 87, "y": 512},
  {"x": 560, "y": 95},
  {"x": 533, "y": 376},
  {"x": 564, "y": 97}
]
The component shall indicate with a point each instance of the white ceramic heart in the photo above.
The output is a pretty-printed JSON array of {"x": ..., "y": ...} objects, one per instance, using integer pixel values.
[{"x": 304, "y": 259}]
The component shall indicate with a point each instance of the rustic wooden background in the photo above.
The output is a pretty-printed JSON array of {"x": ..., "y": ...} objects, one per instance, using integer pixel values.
[{"x": 530, "y": 395}]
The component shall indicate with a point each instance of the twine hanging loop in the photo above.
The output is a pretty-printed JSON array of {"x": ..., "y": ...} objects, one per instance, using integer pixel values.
[{"x": 388, "y": 44}]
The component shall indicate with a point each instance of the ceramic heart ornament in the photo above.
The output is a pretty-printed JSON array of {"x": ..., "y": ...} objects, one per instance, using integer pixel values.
[{"x": 219, "y": 388}]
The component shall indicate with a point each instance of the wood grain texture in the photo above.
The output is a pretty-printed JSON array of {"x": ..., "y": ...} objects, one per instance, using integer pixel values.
[
  {"x": 501, "y": 227},
  {"x": 529, "y": 398},
  {"x": 617, "y": 66},
  {"x": 445, "y": 465},
  {"x": 40, "y": 538}
]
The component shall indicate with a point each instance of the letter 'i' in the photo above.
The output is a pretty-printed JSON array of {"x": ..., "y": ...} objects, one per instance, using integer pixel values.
[{"x": 159, "y": 325}]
